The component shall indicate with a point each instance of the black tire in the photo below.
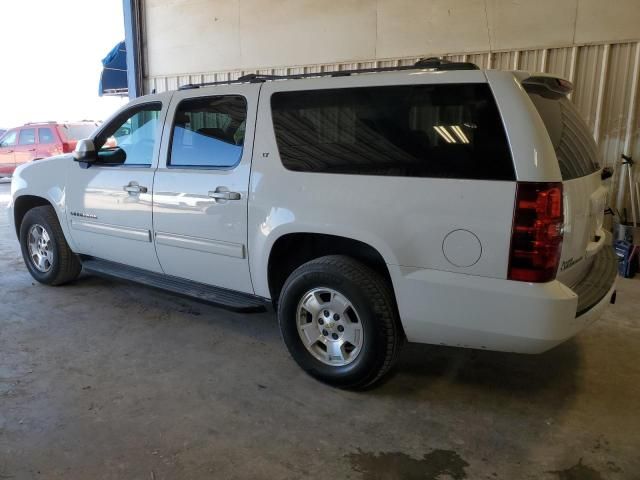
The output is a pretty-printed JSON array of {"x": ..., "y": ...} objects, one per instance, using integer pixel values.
[
  {"x": 64, "y": 266},
  {"x": 372, "y": 297}
]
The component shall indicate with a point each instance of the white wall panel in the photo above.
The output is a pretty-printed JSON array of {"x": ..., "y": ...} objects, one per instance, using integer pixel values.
[
  {"x": 409, "y": 27},
  {"x": 539, "y": 23},
  {"x": 183, "y": 36},
  {"x": 290, "y": 32},
  {"x": 606, "y": 20},
  {"x": 198, "y": 36}
]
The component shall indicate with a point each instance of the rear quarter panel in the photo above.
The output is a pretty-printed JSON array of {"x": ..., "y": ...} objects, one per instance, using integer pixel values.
[{"x": 405, "y": 219}]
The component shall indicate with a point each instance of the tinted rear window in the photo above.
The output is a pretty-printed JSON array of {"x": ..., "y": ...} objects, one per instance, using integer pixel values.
[
  {"x": 571, "y": 138},
  {"x": 78, "y": 131},
  {"x": 45, "y": 135},
  {"x": 27, "y": 136},
  {"x": 444, "y": 131}
]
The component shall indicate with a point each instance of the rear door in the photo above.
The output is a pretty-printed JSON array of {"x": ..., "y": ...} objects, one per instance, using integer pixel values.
[
  {"x": 7, "y": 156},
  {"x": 201, "y": 186},
  {"x": 46, "y": 146},
  {"x": 584, "y": 195}
]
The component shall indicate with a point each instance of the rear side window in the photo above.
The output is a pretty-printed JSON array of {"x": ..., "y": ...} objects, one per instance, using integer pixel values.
[
  {"x": 27, "y": 136},
  {"x": 45, "y": 135},
  {"x": 575, "y": 147},
  {"x": 442, "y": 131},
  {"x": 209, "y": 132}
]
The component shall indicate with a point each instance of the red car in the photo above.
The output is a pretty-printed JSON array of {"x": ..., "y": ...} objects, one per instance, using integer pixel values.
[{"x": 34, "y": 141}]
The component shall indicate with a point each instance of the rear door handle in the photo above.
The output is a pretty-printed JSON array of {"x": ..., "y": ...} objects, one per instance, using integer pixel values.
[
  {"x": 219, "y": 194},
  {"x": 134, "y": 188}
]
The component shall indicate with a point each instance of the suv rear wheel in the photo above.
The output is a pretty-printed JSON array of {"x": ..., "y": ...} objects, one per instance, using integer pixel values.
[
  {"x": 339, "y": 321},
  {"x": 44, "y": 248}
]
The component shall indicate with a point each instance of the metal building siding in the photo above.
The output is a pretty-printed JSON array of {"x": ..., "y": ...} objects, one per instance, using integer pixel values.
[{"x": 603, "y": 77}]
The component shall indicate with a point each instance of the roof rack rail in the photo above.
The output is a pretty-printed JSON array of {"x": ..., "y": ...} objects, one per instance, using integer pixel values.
[
  {"x": 38, "y": 123},
  {"x": 431, "y": 63}
]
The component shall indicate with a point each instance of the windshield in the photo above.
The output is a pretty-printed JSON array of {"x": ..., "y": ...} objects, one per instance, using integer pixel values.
[{"x": 78, "y": 131}]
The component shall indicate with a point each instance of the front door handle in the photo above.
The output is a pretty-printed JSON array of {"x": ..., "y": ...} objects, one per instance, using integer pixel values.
[
  {"x": 219, "y": 194},
  {"x": 31, "y": 150},
  {"x": 133, "y": 188}
]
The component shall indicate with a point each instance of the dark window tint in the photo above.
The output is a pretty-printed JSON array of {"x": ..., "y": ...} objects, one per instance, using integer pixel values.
[
  {"x": 77, "y": 131},
  {"x": 209, "y": 132},
  {"x": 45, "y": 135},
  {"x": 9, "y": 139},
  {"x": 574, "y": 145},
  {"x": 130, "y": 139},
  {"x": 446, "y": 131},
  {"x": 27, "y": 136}
]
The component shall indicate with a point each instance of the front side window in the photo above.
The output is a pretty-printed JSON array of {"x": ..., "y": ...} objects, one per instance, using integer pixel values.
[
  {"x": 9, "y": 139},
  {"x": 209, "y": 132},
  {"x": 45, "y": 135},
  {"x": 131, "y": 138},
  {"x": 27, "y": 136},
  {"x": 441, "y": 131}
]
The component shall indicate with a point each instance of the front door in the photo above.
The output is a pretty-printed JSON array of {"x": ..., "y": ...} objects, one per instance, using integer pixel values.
[
  {"x": 25, "y": 151},
  {"x": 201, "y": 186},
  {"x": 109, "y": 203},
  {"x": 7, "y": 157}
]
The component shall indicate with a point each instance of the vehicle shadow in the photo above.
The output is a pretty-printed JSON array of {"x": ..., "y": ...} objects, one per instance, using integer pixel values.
[{"x": 550, "y": 378}]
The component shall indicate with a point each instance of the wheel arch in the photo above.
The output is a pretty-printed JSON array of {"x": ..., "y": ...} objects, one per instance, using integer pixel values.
[
  {"x": 291, "y": 250},
  {"x": 23, "y": 204}
]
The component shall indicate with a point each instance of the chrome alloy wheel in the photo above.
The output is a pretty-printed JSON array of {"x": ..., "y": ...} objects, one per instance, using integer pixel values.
[
  {"x": 329, "y": 327},
  {"x": 40, "y": 248}
]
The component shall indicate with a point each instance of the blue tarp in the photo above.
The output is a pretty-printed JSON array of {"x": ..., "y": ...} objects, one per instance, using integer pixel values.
[{"x": 113, "y": 80}]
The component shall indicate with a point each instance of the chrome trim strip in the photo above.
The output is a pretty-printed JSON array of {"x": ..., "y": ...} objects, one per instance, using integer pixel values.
[
  {"x": 206, "y": 245},
  {"x": 130, "y": 233}
]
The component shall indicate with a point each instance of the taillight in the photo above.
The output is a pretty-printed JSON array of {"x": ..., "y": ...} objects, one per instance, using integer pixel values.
[
  {"x": 67, "y": 147},
  {"x": 536, "y": 235}
]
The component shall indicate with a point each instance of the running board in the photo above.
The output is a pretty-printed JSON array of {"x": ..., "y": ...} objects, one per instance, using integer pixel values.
[{"x": 229, "y": 299}]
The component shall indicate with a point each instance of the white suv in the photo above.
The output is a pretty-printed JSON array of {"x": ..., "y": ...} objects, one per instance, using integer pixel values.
[{"x": 439, "y": 204}]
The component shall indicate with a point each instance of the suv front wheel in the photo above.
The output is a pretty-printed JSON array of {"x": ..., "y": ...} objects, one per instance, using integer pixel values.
[
  {"x": 339, "y": 321},
  {"x": 44, "y": 248}
]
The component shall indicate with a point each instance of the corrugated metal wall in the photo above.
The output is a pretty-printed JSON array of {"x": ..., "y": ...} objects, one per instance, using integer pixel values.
[{"x": 605, "y": 77}]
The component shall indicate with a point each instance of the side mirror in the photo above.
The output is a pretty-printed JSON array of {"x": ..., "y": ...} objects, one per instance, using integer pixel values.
[{"x": 85, "y": 153}]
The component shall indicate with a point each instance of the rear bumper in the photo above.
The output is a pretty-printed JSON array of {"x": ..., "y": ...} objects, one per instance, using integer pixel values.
[
  {"x": 468, "y": 311},
  {"x": 595, "y": 285}
]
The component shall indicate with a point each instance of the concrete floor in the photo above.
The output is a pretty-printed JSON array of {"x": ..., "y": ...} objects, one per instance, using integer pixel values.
[{"x": 105, "y": 380}]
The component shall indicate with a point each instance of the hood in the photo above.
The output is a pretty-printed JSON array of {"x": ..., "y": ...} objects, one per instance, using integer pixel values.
[{"x": 45, "y": 163}]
